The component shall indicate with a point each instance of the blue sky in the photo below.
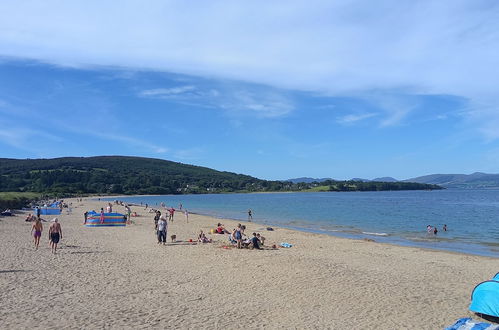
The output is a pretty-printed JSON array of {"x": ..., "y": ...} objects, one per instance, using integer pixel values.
[{"x": 335, "y": 89}]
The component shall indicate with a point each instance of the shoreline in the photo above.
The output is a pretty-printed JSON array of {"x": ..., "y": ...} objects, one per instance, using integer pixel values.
[
  {"x": 422, "y": 242},
  {"x": 322, "y": 281}
]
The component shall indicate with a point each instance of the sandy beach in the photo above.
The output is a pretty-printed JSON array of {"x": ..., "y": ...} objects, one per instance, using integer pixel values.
[{"x": 119, "y": 278}]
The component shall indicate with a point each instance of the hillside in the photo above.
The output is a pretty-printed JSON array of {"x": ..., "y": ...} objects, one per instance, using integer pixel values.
[
  {"x": 118, "y": 175},
  {"x": 470, "y": 181},
  {"x": 137, "y": 175}
]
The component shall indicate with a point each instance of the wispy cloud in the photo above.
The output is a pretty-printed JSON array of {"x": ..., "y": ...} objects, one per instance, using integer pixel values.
[
  {"x": 236, "y": 99},
  {"x": 432, "y": 47},
  {"x": 353, "y": 118},
  {"x": 267, "y": 104},
  {"x": 167, "y": 92},
  {"x": 23, "y": 137}
]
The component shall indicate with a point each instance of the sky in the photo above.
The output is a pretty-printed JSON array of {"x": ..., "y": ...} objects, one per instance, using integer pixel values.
[{"x": 272, "y": 89}]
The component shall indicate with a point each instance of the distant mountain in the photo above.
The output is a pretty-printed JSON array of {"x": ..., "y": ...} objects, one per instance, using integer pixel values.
[
  {"x": 307, "y": 180},
  {"x": 469, "y": 181},
  {"x": 360, "y": 180},
  {"x": 385, "y": 179},
  {"x": 310, "y": 180}
]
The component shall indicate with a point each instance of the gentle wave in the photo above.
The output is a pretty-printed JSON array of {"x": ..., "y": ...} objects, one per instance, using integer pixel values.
[{"x": 375, "y": 234}]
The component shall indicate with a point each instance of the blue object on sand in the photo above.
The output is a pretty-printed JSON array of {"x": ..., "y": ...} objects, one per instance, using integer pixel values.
[
  {"x": 467, "y": 323},
  {"x": 485, "y": 298},
  {"x": 286, "y": 245}
]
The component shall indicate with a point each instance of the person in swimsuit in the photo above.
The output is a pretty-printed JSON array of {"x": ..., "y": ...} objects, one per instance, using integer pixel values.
[
  {"x": 238, "y": 235},
  {"x": 36, "y": 231},
  {"x": 250, "y": 215},
  {"x": 55, "y": 234},
  {"x": 101, "y": 215}
]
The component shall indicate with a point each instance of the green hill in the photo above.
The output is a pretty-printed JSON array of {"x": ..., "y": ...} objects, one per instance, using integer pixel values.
[
  {"x": 117, "y": 175},
  {"x": 137, "y": 175}
]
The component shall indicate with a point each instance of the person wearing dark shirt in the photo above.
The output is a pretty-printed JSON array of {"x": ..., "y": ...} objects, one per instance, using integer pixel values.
[{"x": 255, "y": 242}]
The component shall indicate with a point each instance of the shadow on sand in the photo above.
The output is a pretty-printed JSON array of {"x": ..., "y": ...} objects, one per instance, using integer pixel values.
[{"x": 15, "y": 271}]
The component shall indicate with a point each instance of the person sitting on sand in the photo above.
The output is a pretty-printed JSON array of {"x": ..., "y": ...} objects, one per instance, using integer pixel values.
[
  {"x": 260, "y": 238},
  {"x": 202, "y": 238},
  {"x": 232, "y": 240},
  {"x": 255, "y": 242},
  {"x": 36, "y": 231},
  {"x": 221, "y": 229},
  {"x": 30, "y": 218}
]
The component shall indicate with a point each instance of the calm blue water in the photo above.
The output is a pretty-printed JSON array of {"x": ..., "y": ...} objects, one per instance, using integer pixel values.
[{"x": 399, "y": 217}]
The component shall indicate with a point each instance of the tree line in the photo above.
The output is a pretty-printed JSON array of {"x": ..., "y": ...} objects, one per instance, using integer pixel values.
[{"x": 137, "y": 175}]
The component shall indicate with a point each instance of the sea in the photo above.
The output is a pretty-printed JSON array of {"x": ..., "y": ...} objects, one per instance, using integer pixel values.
[{"x": 396, "y": 217}]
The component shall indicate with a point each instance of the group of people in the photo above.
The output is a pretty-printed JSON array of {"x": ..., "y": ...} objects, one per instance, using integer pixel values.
[
  {"x": 6, "y": 213},
  {"x": 433, "y": 230},
  {"x": 55, "y": 233},
  {"x": 239, "y": 238}
]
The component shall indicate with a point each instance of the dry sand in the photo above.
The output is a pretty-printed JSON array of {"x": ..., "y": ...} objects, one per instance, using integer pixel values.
[{"x": 120, "y": 278}]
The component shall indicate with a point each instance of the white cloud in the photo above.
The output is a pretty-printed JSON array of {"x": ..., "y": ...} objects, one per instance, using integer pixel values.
[
  {"x": 234, "y": 98},
  {"x": 22, "y": 137},
  {"x": 353, "y": 118},
  {"x": 267, "y": 104},
  {"x": 167, "y": 92},
  {"x": 340, "y": 47}
]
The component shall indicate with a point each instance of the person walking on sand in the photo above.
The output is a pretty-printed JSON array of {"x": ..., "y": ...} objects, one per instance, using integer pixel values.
[
  {"x": 55, "y": 234},
  {"x": 162, "y": 229},
  {"x": 129, "y": 213},
  {"x": 156, "y": 219},
  {"x": 172, "y": 213},
  {"x": 36, "y": 231},
  {"x": 186, "y": 215},
  {"x": 250, "y": 215}
]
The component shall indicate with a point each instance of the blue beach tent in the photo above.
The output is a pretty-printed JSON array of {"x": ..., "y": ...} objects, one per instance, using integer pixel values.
[{"x": 485, "y": 298}]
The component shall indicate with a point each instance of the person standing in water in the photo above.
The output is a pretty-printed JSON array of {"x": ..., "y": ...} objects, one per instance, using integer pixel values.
[
  {"x": 250, "y": 215},
  {"x": 445, "y": 228},
  {"x": 55, "y": 234},
  {"x": 36, "y": 231}
]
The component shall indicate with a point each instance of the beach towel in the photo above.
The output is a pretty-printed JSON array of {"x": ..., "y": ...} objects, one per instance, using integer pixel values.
[
  {"x": 467, "y": 323},
  {"x": 286, "y": 245}
]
